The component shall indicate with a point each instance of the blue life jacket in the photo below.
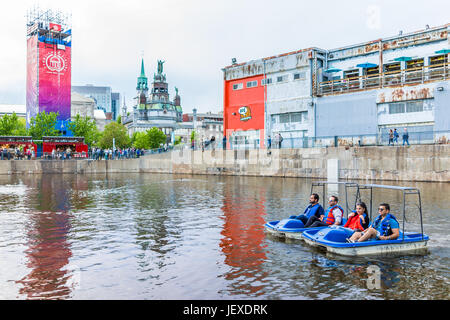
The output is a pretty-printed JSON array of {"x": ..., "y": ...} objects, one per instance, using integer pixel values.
[
  {"x": 312, "y": 210},
  {"x": 385, "y": 224}
]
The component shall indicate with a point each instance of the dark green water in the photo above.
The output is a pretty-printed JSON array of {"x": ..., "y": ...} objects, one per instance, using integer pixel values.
[{"x": 149, "y": 236}]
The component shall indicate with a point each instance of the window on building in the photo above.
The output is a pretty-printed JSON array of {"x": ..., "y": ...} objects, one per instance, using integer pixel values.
[
  {"x": 392, "y": 67},
  {"x": 266, "y": 81},
  {"x": 299, "y": 75},
  {"x": 296, "y": 117},
  {"x": 282, "y": 78},
  {"x": 351, "y": 74},
  {"x": 370, "y": 72},
  {"x": 414, "y": 64},
  {"x": 396, "y": 108},
  {"x": 438, "y": 61},
  {"x": 414, "y": 106},
  {"x": 252, "y": 84},
  {"x": 237, "y": 86},
  {"x": 284, "y": 118}
]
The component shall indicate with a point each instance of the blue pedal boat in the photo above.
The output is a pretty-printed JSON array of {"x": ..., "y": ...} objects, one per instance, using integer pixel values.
[
  {"x": 334, "y": 239},
  {"x": 293, "y": 228}
]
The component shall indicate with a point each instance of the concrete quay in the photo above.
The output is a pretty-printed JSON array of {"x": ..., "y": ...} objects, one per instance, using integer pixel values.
[{"x": 415, "y": 163}]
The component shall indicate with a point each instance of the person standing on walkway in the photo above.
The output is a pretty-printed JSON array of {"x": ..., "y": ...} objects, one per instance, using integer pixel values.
[
  {"x": 396, "y": 135},
  {"x": 391, "y": 137},
  {"x": 224, "y": 142},
  {"x": 279, "y": 140},
  {"x": 405, "y": 136}
]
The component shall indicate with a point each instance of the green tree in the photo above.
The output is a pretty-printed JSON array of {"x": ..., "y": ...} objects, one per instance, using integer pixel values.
[
  {"x": 141, "y": 140},
  {"x": 10, "y": 124},
  {"x": 116, "y": 131},
  {"x": 156, "y": 137},
  {"x": 177, "y": 140},
  {"x": 193, "y": 135},
  {"x": 119, "y": 119},
  {"x": 43, "y": 124},
  {"x": 21, "y": 129},
  {"x": 84, "y": 127}
]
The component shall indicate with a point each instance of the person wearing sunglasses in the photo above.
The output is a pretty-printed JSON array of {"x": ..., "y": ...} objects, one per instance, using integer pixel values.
[
  {"x": 384, "y": 227},
  {"x": 332, "y": 216}
]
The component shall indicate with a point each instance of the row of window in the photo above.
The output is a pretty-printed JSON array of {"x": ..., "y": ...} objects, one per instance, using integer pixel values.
[
  {"x": 292, "y": 117},
  {"x": 395, "y": 67},
  {"x": 283, "y": 78},
  {"x": 406, "y": 107},
  {"x": 214, "y": 127}
]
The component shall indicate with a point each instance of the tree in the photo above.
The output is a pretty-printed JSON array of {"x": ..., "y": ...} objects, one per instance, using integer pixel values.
[
  {"x": 116, "y": 131},
  {"x": 21, "y": 129},
  {"x": 141, "y": 140},
  {"x": 84, "y": 127},
  {"x": 11, "y": 125},
  {"x": 156, "y": 137},
  {"x": 43, "y": 124},
  {"x": 193, "y": 136},
  {"x": 119, "y": 119}
]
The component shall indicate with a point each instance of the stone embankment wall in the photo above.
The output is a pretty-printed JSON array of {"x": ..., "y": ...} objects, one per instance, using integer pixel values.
[{"x": 416, "y": 163}]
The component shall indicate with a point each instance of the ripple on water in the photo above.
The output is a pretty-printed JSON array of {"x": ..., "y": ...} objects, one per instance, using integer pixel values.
[{"x": 149, "y": 236}]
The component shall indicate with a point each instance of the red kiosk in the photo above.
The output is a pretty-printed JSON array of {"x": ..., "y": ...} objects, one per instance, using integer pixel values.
[
  {"x": 10, "y": 143},
  {"x": 76, "y": 145}
]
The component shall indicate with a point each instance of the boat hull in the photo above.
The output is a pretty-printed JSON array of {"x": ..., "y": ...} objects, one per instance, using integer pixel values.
[
  {"x": 287, "y": 228},
  {"x": 411, "y": 242}
]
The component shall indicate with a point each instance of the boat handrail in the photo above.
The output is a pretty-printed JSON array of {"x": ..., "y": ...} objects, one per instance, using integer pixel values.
[
  {"x": 347, "y": 184},
  {"x": 382, "y": 186}
]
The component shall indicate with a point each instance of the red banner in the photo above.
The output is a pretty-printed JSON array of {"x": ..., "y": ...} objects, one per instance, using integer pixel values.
[
  {"x": 55, "y": 27},
  {"x": 54, "y": 79}
]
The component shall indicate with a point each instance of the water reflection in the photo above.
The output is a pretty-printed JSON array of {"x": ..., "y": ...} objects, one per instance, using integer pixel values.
[
  {"x": 48, "y": 250},
  {"x": 243, "y": 238}
]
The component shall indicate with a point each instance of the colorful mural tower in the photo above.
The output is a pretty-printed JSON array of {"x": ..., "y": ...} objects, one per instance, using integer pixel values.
[{"x": 49, "y": 42}]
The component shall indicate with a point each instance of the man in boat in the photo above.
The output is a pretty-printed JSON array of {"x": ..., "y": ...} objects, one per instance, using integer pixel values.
[
  {"x": 333, "y": 215},
  {"x": 384, "y": 227},
  {"x": 314, "y": 209}
]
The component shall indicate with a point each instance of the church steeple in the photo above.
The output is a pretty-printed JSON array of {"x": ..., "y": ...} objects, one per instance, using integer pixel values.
[
  {"x": 142, "y": 82},
  {"x": 142, "y": 69}
]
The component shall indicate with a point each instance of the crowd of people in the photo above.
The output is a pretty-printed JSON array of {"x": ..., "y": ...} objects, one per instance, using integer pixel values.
[
  {"x": 394, "y": 135},
  {"x": 16, "y": 153},
  {"x": 358, "y": 226},
  {"x": 116, "y": 154}
]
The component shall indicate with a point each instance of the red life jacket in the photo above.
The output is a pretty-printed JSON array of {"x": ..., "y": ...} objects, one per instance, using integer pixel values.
[
  {"x": 354, "y": 223},
  {"x": 330, "y": 217}
]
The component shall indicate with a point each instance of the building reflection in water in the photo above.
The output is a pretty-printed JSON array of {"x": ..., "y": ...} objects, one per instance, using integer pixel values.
[
  {"x": 48, "y": 249},
  {"x": 243, "y": 239}
]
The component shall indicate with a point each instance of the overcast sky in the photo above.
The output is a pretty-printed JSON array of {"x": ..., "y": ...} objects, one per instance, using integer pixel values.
[{"x": 197, "y": 38}]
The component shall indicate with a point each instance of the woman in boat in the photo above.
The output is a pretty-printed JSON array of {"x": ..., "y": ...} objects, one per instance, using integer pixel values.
[
  {"x": 359, "y": 220},
  {"x": 384, "y": 227}
]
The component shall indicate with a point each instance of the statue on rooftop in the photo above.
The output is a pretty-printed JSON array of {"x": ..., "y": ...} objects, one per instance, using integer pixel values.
[{"x": 160, "y": 66}]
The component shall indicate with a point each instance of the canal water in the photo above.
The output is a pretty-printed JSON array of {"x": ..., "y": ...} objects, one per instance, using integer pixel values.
[{"x": 155, "y": 236}]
